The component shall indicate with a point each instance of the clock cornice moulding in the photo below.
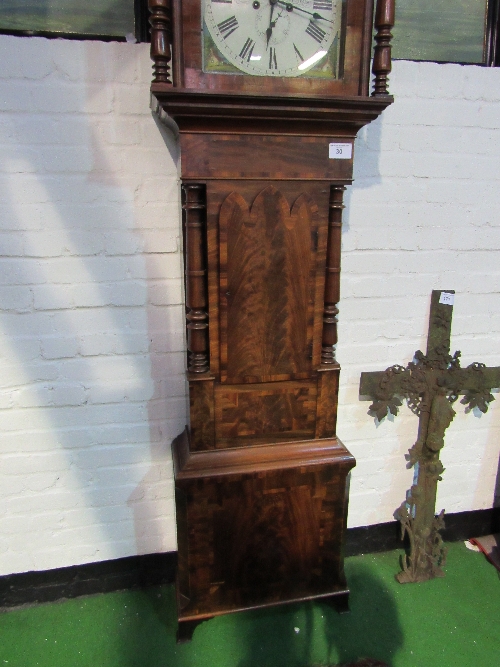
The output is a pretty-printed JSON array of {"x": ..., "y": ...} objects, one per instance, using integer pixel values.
[{"x": 214, "y": 111}]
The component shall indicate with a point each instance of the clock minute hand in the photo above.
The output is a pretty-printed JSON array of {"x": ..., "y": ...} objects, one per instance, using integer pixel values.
[
  {"x": 315, "y": 15},
  {"x": 269, "y": 31}
]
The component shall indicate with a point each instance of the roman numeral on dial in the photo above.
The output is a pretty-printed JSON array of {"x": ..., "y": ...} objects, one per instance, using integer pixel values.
[
  {"x": 298, "y": 54},
  {"x": 247, "y": 50},
  {"x": 273, "y": 63},
  {"x": 315, "y": 32},
  {"x": 228, "y": 26},
  {"x": 321, "y": 4}
]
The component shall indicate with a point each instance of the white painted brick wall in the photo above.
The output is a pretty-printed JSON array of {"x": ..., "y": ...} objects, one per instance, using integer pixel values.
[
  {"x": 423, "y": 214},
  {"x": 91, "y": 357},
  {"x": 91, "y": 368}
]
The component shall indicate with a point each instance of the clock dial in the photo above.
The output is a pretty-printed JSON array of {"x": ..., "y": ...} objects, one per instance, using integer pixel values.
[{"x": 273, "y": 37}]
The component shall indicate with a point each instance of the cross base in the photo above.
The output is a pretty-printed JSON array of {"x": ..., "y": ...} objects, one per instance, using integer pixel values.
[{"x": 407, "y": 577}]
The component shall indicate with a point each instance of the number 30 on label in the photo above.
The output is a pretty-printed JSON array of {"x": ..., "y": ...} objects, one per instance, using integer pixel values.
[{"x": 340, "y": 151}]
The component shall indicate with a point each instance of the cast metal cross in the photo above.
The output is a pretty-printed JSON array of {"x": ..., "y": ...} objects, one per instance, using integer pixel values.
[{"x": 431, "y": 383}]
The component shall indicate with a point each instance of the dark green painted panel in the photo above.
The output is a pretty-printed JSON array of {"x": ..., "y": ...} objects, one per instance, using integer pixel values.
[
  {"x": 440, "y": 30},
  {"x": 85, "y": 17}
]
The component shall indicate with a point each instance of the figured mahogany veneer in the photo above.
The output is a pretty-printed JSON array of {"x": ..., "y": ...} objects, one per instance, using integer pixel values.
[
  {"x": 261, "y": 477},
  {"x": 268, "y": 260},
  {"x": 260, "y": 525},
  {"x": 271, "y": 286}
]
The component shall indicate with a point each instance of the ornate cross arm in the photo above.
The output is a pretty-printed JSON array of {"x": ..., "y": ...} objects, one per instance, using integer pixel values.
[
  {"x": 475, "y": 382},
  {"x": 437, "y": 371},
  {"x": 386, "y": 387}
]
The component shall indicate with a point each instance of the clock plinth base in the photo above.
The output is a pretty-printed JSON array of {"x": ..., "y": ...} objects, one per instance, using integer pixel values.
[
  {"x": 266, "y": 526},
  {"x": 186, "y": 627}
]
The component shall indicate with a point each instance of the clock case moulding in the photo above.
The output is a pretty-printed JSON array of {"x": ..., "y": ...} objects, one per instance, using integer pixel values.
[{"x": 261, "y": 477}]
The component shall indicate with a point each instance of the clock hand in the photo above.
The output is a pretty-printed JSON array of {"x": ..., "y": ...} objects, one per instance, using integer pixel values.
[
  {"x": 272, "y": 24},
  {"x": 269, "y": 30},
  {"x": 315, "y": 15}
]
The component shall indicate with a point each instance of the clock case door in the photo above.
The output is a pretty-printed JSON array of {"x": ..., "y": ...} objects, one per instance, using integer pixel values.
[{"x": 261, "y": 476}]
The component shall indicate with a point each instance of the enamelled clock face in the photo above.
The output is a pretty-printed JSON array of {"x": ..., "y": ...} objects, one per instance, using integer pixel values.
[{"x": 274, "y": 37}]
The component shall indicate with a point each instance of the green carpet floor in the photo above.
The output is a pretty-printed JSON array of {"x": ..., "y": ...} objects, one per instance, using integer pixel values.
[{"x": 450, "y": 622}]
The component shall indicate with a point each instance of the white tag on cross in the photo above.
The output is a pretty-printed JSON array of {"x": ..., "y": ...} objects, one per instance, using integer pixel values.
[{"x": 447, "y": 298}]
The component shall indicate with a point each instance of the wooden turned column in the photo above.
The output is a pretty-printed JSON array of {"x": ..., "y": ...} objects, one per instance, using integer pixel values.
[
  {"x": 332, "y": 278},
  {"x": 194, "y": 216},
  {"x": 161, "y": 36},
  {"x": 384, "y": 22}
]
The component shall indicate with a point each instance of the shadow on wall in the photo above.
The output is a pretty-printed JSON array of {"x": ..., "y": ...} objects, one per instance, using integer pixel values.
[
  {"x": 152, "y": 500},
  {"x": 366, "y": 164},
  {"x": 91, "y": 354}
]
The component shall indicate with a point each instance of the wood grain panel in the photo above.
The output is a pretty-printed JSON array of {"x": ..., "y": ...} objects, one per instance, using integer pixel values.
[
  {"x": 201, "y": 412},
  {"x": 326, "y": 413},
  {"x": 217, "y": 192},
  {"x": 190, "y": 465},
  {"x": 253, "y": 156},
  {"x": 246, "y": 415},
  {"x": 264, "y": 538},
  {"x": 267, "y": 282}
]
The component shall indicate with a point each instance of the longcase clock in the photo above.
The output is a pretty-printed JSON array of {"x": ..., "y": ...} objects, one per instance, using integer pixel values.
[{"x": 267, "y": 97}]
